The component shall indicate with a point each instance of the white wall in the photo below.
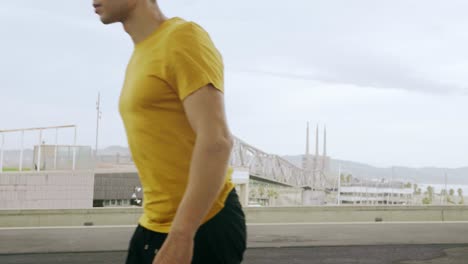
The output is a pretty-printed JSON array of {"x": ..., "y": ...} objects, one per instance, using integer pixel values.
[{"x": 47, "y": 190}]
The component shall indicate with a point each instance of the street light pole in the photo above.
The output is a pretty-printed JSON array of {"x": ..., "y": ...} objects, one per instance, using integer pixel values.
[
  {"x": 98, "y": 117},
  {"x": 391, "y": 187},
  {"x": 2, "y": 145},
  {"x": 445, "y": 188},
  {"x": 339, "y": 184}
]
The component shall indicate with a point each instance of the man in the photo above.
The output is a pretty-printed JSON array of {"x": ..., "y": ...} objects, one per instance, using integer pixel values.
[{"x": 172, "y": 107}]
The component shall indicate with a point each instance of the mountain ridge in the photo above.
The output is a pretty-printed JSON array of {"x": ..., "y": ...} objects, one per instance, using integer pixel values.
[{"x": 430, "y": 175}]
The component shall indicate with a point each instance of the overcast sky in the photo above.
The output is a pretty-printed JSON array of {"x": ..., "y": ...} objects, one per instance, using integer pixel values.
[{"x": 388, "y": 78}]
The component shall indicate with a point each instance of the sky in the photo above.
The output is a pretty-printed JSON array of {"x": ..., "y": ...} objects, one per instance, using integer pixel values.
[{"x": 387, "y": 78}]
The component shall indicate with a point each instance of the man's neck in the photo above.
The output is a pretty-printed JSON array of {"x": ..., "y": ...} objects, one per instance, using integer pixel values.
[{"x": 142, "y": 22}]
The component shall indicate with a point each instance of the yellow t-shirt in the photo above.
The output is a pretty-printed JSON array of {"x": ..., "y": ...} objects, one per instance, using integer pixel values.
[{"x": 165, "y": 68}]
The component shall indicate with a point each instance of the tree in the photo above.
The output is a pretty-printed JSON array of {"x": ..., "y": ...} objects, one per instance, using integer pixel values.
[
  {"x": 426, "y": 200},
  {"x": 418, "y": 192},
  {"x": 349, "y": 177},
  {"x": 272, "y": 193},
  {"x": 261, "y": 190},
  {"x": 449, "y": 200},
  {"x": 443, "y": 195},
  {"x": 443, "y": 192},
  {"x": 452, "y": 192},
  {"x": 343, "y": 178},
  {"x": 430, "y": 192},
  {"x": 253, "y": 192},
  {"x": 460, "y": 193},
  {"x": 408, "y": 185}
]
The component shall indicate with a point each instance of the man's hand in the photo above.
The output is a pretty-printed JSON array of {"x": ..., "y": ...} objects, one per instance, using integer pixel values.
[{"x": 177, "y": 249}]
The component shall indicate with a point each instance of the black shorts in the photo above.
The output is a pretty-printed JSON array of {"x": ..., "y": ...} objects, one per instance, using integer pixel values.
[{"x": 221, "y": 240}]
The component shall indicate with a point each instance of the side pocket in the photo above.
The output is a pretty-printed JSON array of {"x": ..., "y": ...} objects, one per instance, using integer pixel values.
[{"x": 153, "y": 241}]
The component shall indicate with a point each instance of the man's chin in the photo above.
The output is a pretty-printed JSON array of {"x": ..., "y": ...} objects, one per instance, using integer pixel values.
[{"x": 107, "y": 21}]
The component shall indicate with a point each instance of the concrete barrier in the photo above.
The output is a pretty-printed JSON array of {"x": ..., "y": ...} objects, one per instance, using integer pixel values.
[
  {"x": 313, "y": 214},
  {"x": 357, "y": 214},
  {"x": 69, "y": 217}
]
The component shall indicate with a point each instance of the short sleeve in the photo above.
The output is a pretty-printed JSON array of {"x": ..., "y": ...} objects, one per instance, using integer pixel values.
[{"x": 194, "y": 61}]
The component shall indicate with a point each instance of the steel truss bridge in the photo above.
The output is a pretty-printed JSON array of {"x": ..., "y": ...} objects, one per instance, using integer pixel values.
[{"x": 268, "y": 167}]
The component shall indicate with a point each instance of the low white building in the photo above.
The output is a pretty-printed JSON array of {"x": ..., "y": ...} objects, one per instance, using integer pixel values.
[{"x": 375, "y": 193}]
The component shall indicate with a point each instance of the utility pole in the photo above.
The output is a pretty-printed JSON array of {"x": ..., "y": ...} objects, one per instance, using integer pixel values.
[
  {"x": 391, "y": 186},
  {"x": 367, "y": 192},
  {"x": 306, "y": 162},
  {"x": 2, "y": 146},
  {"x": 339, "y": 184},
  {"x": 98, "y": 112},
  {"x": 445, "y": 188},
  {"x": 316, "y": 157},
  {"x": 360, "y": 192}
]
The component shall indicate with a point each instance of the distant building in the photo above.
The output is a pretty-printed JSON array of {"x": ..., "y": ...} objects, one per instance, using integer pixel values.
[
  {"x": 375, "y": 192},
  {"x": 114, "y": 189}
]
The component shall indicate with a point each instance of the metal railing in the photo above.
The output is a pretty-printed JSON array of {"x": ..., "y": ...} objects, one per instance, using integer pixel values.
[{"x": 39, "y": 145}]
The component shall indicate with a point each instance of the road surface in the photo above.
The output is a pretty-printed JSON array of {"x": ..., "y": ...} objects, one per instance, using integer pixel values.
[{"x": 382, "y": 254}]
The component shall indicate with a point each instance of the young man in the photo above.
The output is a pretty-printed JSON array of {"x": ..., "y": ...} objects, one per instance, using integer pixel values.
[{"x": 172, "y": 107}]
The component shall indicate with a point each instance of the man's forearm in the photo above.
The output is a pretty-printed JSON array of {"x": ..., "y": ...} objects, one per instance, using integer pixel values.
[{"x": 208, "y": 169}]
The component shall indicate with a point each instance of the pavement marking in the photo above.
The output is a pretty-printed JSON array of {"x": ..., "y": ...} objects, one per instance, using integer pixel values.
[{"x": 359, "y": 223}]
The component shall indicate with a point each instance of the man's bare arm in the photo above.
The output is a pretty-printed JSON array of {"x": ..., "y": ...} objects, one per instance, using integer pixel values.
[{"x": 206, "y": 113}]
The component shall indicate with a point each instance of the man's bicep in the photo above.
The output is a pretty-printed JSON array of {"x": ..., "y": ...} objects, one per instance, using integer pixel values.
[{"x": 205, "y": 111}]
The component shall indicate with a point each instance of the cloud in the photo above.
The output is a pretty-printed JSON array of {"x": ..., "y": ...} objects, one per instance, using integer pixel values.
[
  {"x": 395, "y": 45},
  {"x": 388, "y": 78}
]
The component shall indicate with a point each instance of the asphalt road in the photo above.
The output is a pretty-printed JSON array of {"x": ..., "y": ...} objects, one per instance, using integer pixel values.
[
  {"x": 327, "y": 243},
  {"x": 116, "y": 238},
  {"x": 381, "y": 254}
]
